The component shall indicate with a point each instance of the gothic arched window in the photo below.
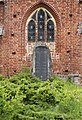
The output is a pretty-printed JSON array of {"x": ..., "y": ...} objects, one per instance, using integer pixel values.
[
  {"x": 50, "y": 31},
  {"x": 41, "y": 26},
  {"x": 31, "y": 31},
  {"x": 41, "y": 20}
]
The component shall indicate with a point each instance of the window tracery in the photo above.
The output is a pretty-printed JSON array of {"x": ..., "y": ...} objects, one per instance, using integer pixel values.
[{"x": 41, "y": 26}]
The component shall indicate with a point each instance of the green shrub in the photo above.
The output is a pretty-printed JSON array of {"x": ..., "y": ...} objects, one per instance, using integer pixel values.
[{"x": 25, "y": 97}]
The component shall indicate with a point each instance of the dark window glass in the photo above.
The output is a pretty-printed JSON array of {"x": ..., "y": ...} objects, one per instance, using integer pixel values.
[
  {"x": 41, "y": 19},
  {"x": 34, "y": 16},
  {"x": 48, "y": 16},
  {"x": 31, "y": 31},
  {"x": 50, "y": 31}
]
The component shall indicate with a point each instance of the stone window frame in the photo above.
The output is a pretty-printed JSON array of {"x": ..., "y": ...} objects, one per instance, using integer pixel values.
[{"x": 36, "y": 28}]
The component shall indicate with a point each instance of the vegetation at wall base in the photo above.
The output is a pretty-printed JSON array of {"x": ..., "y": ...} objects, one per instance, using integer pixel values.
[{"x": 25, "y": 97}]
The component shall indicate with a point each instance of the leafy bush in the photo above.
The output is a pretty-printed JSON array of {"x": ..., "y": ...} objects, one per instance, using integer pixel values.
[{"x": 25, "y": 97}]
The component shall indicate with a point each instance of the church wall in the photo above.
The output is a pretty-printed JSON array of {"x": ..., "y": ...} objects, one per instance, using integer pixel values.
[{"x": 66, "y": 56}]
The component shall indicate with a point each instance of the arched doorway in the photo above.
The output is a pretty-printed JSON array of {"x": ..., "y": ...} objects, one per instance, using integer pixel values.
[{"x": 42, "y": 62}]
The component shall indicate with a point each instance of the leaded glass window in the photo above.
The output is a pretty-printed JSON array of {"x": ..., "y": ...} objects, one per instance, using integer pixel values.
[
  {"x": 41, "y": 20},
  {"x": 31, "y": 31},
  {"x": 50, "y": 31},
  {"x": 41, "y": 26}
]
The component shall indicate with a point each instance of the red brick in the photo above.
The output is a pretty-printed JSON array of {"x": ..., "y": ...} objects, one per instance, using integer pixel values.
[{"x": 14, "y": 16}]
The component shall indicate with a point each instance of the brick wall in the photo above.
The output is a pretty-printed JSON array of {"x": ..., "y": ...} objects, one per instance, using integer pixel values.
[{"x": 67, "y": 56}]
